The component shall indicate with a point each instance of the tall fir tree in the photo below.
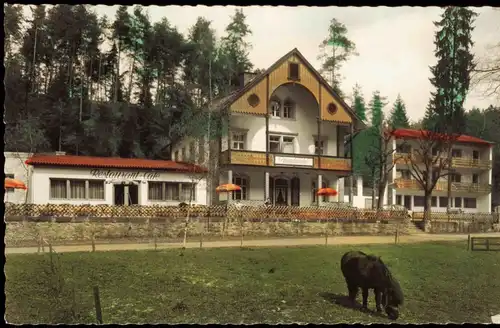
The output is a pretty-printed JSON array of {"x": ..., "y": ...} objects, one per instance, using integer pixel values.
[
  {"x": 451, "y": 74},
  {"x": 398, "y": 118}
]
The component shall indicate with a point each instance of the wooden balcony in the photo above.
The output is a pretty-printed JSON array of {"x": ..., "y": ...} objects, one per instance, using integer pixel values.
[
  {"x": 458, "y": 162},
  {"x": 442, "y": 186},
  {"x": 306, "y": 161}
]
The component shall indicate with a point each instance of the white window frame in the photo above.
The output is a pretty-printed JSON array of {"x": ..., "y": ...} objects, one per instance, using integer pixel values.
[
  {"x": 68, "y": 189},
  {"x": 167, "y": 196},
  {"x": 456, "y": 177},
  {"x": 289, "y": 109},
  {"x": 276, "y": 111},
  {"x": 244, "y": 183},
  {"x": 282, "y": 142},
  {"x": 238, "y": 144}
]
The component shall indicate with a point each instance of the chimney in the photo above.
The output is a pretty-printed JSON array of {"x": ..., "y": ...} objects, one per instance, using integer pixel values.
[
  {"x": 246, "y": 77},
  {"x": 60, "y": 153}
]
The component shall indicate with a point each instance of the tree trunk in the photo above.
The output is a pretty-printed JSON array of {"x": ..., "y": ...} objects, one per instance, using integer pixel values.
[
  {"x": 427, "y": 209},
  {"x": 131, "y": 79},
  {"x": 448, "y": 206},
  {"x": 184, "y": 241},
  {"x": 117, "y": 77}
]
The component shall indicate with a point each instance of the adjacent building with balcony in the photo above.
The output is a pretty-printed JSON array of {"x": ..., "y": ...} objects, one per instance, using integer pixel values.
[
  {"x": 471, "y": 181},
  {"x": 284, "y": 137}
]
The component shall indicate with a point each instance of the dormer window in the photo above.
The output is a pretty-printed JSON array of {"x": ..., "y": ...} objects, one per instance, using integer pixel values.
[{"x": 293, "y": 71}]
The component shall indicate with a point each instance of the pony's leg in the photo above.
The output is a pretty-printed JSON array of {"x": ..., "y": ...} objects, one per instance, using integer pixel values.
[
  {"x": 378, "y": 299},
  {"x": 365, "y": 298},
  {"x": 353, "y": 292}
]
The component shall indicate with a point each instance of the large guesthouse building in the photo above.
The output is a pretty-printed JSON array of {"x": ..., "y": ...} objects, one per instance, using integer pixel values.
[
  {"x": 470, "y": 182},
  {"x": 285, "y": 137}
]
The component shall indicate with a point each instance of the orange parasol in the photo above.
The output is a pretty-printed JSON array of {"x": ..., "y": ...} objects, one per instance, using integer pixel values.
[
  {"x": 327, "y": 192},
  {"x": 229, "y": 187},
  {"x": 13, "y": 183}
]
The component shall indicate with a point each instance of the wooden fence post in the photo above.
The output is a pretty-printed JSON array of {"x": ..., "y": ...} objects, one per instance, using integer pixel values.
[
  {"x": 97, "y": 302},
  {"x": 92, "y": 241},
  {"x": 326, "y": 233},
  {"x": 201, "y": 231},
  {"x": 396, "y": 235},
  {"x": 155, "y": 237},
  {"x": 241, "y": 229},
  {"x": 52, "y": 268},
  {"x": 468, "y": 242}
]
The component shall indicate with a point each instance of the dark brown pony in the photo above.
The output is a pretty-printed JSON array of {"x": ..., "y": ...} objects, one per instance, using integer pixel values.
[{"x": 369, "y": 272}]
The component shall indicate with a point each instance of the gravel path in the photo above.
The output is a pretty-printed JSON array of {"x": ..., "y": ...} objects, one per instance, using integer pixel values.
[{"x": 342, "y": 240}]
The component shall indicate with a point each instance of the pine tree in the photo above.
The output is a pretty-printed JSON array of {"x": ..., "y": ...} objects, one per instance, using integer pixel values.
[
  {"x": 359, "y": 103},
  {"x": 399, "y": 118},
  {"x": 377, "y": 109},
  {"x": 333, "y": 58}
]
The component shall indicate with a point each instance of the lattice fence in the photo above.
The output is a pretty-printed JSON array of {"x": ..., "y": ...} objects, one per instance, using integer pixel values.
[
  {"x": 247, "y": 213},
  {"x": 443, "y": 216}
]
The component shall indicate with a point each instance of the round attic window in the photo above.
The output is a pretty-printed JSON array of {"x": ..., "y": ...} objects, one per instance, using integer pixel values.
[
  {"x": 331, "y": 108},
  {"x": 253, "y": 100}
]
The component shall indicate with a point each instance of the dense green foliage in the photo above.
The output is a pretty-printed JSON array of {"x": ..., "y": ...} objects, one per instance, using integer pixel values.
[
  {"x": 442, "y": 282},
  {"x": 124, "y": 87}
]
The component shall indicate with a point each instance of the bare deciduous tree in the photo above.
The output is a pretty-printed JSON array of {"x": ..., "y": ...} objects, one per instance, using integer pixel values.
[
  {"x": 486, "y": 75},
  {"x": 429, "y": 161}
]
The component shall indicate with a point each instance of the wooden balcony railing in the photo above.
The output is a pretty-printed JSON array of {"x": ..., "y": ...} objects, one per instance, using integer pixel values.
[
  {"x": 465, "y": 162},
  {"x": 256, "y": 158},
  {"x": 442, "y": 186}
]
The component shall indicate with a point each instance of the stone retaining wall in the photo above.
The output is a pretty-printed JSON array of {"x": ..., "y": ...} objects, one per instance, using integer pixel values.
[
  {"x": 28, "y": 233},
  {"x": 463, "y": 227}
]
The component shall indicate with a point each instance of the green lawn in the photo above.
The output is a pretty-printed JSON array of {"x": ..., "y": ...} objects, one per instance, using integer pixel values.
[{"x": 442, "y": 282}]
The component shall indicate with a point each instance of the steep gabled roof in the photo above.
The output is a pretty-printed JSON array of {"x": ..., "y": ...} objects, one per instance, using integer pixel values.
[{"x": 231, "y": 98}]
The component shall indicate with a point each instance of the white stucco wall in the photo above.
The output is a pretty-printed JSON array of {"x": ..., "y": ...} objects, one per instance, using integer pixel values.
[
  {"x": 15, "y": 164},
  {"x": 40, "y": 191},
  {"x": 303, "y": 126}
]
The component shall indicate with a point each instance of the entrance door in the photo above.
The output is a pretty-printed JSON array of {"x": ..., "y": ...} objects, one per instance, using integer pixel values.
[
  {"x": 295, "y": 185},
  {"x": 407, "y": 202},
  {"x": 133, "y": 194},
  {"x": 281, "y": 192},
  {"x": 119, "y": 194}
]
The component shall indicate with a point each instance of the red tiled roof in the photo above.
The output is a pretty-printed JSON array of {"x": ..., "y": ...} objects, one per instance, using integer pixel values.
[
  {"x": 418, "y": 134},
  {"x": 112, "y": 162}
]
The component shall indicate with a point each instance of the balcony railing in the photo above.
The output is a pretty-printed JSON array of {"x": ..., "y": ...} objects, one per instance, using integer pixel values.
[
  {"x": 257, "y": 158},
  {"x": 442, "y": 186},
  {"x": 465, "y": 162}
]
